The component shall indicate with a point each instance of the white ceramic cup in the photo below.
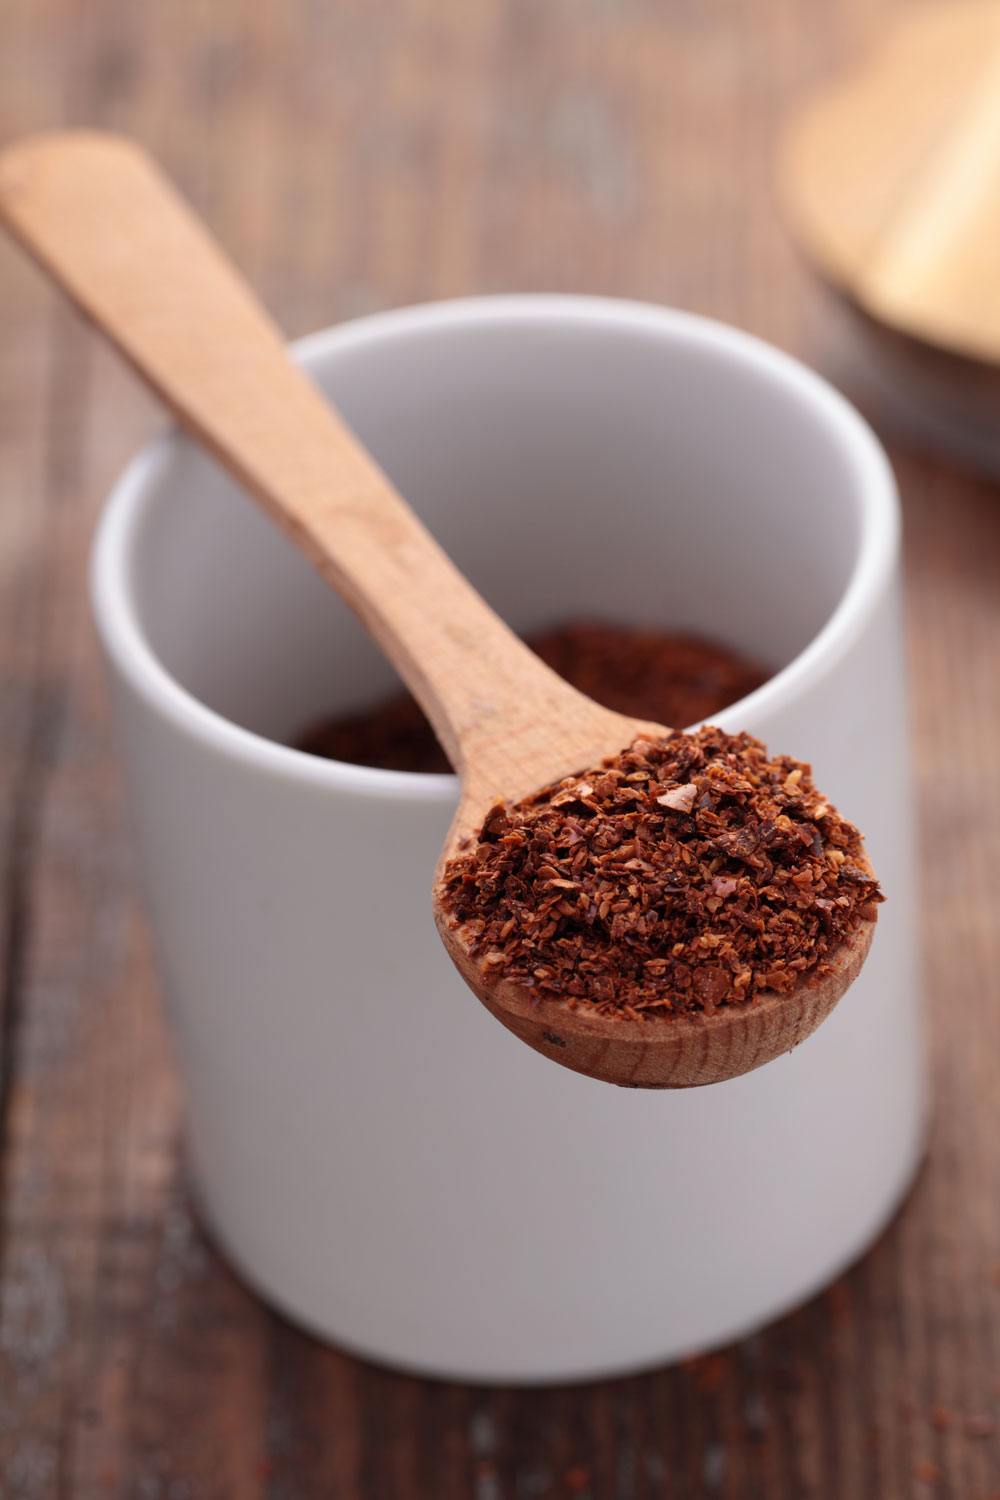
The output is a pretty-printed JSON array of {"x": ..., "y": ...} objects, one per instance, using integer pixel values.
[{"x": 378, "y": 1156}]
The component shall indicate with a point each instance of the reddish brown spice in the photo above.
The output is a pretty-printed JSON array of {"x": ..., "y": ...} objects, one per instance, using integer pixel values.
[
  {"x": 682, "y": 875},
  {"x": 645, "y": 674}
]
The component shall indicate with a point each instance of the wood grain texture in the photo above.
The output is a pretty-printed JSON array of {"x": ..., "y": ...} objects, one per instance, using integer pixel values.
[{"x": 355, "y": 156}]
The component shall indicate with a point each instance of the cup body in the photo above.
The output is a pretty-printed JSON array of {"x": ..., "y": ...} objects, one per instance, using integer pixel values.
[{"x": 377, "y": 1156}]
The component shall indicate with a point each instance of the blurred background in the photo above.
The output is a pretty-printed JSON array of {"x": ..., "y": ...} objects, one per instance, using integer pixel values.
[{"x": 355, "y": 155}]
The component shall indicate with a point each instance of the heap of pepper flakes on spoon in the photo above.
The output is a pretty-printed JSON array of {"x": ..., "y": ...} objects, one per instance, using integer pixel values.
[{"x": 686, "y": 874}]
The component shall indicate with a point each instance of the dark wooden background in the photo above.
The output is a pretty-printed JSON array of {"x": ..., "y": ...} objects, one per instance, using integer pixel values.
[{"x": 356, "y": 154}]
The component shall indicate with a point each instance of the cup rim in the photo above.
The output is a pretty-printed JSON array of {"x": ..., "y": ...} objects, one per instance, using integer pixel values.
[{"x": 125, "y": 642}]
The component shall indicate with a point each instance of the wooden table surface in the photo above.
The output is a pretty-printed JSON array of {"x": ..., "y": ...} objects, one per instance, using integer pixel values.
[{"x": 357, "y": 154}]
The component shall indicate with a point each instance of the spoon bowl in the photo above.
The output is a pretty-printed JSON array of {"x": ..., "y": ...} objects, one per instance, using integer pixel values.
[{"x": 680, "y": 1051}]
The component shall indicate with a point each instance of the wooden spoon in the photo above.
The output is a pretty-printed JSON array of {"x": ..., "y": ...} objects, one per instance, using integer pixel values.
[{"x": 99, "y": 216}]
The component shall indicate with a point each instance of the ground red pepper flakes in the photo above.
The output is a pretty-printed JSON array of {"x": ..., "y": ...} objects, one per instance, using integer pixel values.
[
  {"x": 644, "y": 674},
  {"x": 683, "y": 875}
]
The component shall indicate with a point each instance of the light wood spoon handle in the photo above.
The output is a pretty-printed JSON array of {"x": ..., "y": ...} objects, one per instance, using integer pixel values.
[{"x": 101, "y": 217}]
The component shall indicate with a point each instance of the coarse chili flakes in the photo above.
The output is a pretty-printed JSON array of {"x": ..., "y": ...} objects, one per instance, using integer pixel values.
[{"x": 683, "y": 875}]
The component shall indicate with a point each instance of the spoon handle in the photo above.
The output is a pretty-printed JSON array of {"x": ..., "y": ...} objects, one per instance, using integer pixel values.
[{"x": 97, "y": 213}]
